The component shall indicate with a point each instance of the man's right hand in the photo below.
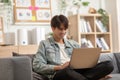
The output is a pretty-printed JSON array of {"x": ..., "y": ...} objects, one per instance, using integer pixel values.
[
  {"x": 65, "y": 65},
  {"x": 60, "y": 67}
]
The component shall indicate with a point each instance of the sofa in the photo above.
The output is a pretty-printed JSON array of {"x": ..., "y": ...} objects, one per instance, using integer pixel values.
[
  {"x": 15, "y": 68},
  {"x": 115, "y": 58},
  {"x": 20, "y": 68},
  {"x": 35, "y": 76}
]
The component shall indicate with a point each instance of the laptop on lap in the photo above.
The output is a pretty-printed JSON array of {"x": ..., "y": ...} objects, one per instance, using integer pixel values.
[{"x": 84, "y": 58}]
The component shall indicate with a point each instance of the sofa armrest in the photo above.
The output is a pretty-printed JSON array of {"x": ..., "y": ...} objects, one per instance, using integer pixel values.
[
  {"x": 6, "y": 69},
  {"x": 15, "y": 68},
  {"x": 22, "y": 68}
]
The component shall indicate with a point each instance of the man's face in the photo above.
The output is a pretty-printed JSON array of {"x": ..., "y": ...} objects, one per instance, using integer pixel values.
[{"x": 59, "y": 32}]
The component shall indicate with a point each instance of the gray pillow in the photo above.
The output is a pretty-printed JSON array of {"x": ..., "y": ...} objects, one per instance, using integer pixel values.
[
  {"x": 28, "y": 55},
  {"x": 110, "y": 57}
]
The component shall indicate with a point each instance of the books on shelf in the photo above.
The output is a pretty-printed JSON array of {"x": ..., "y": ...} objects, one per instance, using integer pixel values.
[
  {"x": 87, "y": 43},
  {"x": 98, "y": 43},
  {"x": 89, "y": 26},
  {"x": 85, "y": 26},
  {"x": 100, "y": 26},
  {"x": 102, "y": 43}
]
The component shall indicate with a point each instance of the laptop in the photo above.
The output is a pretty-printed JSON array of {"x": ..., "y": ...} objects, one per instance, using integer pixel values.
[{"x": 84, "y": 58}]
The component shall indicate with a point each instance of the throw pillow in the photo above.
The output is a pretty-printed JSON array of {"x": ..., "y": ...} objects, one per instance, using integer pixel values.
[{"x": 18, "y": 54}]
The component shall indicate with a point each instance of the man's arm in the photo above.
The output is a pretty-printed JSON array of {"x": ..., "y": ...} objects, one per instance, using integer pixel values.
[{"x": 40, "y": 61}]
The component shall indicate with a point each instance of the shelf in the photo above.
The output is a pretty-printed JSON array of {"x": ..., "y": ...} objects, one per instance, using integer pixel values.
[
  {"x": 88, "y": 28},
  {"x": 103, "y": 33},
  {"x": 89, "y": 33}
]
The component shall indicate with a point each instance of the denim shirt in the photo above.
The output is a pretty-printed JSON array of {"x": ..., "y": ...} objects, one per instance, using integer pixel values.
[{"x": 48, "y": 55}]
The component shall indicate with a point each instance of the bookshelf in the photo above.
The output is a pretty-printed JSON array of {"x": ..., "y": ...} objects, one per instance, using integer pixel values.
[{"x": 88, "y": 30}]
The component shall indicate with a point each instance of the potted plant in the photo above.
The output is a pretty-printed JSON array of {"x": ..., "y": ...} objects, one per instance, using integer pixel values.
[
  {"x": 81, "y": 5},
  {"x": 6, "y": 2},
  {"x": 64, "y": 4},
  {"x": 104, "y": 18}
]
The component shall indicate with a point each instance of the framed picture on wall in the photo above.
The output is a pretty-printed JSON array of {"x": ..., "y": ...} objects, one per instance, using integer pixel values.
[
  {"x": 42, "y": 3},
  {"x": 24, "y": 14},
  {"x": 35, "y": 11},
  {"x": 23, "y": 3},
  {"x": 43, "y": 14}
]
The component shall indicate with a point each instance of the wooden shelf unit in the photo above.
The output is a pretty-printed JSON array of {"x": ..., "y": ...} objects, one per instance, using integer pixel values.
[
  {"x": 78, "y": 22},
  {"x": 6, "y": 51}
]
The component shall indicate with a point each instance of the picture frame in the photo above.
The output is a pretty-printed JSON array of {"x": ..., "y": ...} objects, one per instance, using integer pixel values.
[
  {"x": 23, "y": 3},
  {"x": 32, "y": 12},
  {"x": 43, "y": 14},
  {"x": 24, "y": 14},
  {"x": 42, "y": 3}
]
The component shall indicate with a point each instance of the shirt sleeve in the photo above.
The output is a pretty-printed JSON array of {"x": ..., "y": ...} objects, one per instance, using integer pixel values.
[
  {"x": 74, "y": 44},
  {"x": 40, "y": 61}
]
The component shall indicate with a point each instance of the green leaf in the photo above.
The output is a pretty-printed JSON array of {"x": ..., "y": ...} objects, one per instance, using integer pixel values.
[{"x": 85, "y": 3}]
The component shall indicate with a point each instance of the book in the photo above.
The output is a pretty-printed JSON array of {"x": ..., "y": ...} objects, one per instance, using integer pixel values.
[
  {"x": 90, "y": 44},
  {"x": 87, "y": 43},
  {"x": 100, "y": 25},
  {"x": 89, "y": 27},
  {"x": 99, "y": 43},
  {"x": 103, "y": 27},
  {"x": 104, "y": 43}
]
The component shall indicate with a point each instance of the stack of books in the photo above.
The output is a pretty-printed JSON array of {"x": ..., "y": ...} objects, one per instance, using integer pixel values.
[{"x": 85, "y": 26}]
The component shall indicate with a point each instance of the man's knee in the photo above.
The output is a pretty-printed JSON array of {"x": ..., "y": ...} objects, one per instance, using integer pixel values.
[{"x": 108, "y": 66}]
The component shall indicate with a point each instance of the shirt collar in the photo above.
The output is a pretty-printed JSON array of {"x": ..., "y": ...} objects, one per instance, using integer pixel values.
[{"x": 52, "y": 41}]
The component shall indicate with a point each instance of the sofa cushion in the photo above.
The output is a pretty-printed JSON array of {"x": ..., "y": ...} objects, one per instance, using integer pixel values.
[
  {"x": 35, "y": 75},
  {"x": 15, "y": 68},
  {"x": 22, "y": 68},
  {"x": 117, "y": 57},
  {"x": 29, "y": 55},
  {"x": 111, "y": 57},
  {"x": 114, "y": 77},
  {"x": 6, "y": 69}
]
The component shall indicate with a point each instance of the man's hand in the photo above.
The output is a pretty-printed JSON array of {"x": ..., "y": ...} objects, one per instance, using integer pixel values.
[
  {"x": 60, "y": 67},
  {"x": 65, "y": 65}
]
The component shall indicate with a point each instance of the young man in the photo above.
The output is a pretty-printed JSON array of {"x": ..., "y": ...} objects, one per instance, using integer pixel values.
[{"x": 53, "y": 56}]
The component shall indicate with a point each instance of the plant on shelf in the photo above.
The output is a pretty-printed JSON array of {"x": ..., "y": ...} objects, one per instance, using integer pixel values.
[
  {"x": 6, "y": 2},
  {"x": 62, "y": 6},
  {"x": 104, "y": 18},
  {"x": 85, "y": 3},
  {"x": 8, "y": 7},
  {"x": 79, "y": 3},
  {"x": 73, "y": 3}
]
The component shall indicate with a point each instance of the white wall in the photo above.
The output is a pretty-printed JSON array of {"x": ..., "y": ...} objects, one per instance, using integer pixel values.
[
  {"x": 118, "y": 21},
  {"x": 12, "y": 28},
  {"x": 114, "y": 10}
]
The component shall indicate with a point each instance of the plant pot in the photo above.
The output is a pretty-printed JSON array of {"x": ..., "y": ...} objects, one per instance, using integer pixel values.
[{"x": 82, "y": 10}]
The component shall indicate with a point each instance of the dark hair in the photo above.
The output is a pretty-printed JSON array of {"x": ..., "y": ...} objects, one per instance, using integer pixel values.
[{"x": 59, "y": 20}]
